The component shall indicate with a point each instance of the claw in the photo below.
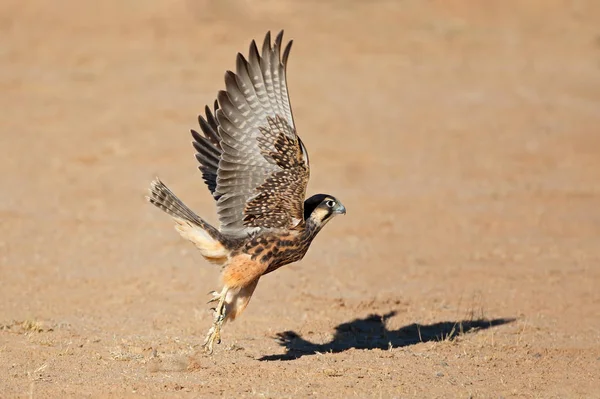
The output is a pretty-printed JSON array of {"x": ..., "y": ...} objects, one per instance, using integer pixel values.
[
  {"x": 215, "y": 298},
  {"x": 214, "y": 333}
]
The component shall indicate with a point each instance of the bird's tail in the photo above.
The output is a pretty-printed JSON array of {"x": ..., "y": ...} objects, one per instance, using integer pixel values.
[
  {"x": 191, "y": 226},
  {"x": 164, "y": 199}
]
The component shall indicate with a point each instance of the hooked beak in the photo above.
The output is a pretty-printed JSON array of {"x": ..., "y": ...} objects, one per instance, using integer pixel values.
[{"x": 341, "y": 209}]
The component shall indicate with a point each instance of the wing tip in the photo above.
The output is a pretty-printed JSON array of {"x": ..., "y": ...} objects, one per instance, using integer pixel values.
[
  {"x": 279, "y": 39},
  {"x": 195, "y": 135},
  {"x": 253, "y": 51},
  {"x": 267, "y": 40},
  {"x": 286, "y": 53}
]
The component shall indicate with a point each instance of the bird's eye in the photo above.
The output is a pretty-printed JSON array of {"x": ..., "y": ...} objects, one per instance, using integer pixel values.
[{"x": 330, "y": 203}]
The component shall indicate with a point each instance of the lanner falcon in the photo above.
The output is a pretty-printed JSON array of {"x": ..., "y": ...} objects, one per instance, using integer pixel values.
[{"x": 256, "y": 168}]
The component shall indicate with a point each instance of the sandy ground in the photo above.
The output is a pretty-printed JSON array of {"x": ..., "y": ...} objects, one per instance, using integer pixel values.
[{"x": 462, "y": 136}]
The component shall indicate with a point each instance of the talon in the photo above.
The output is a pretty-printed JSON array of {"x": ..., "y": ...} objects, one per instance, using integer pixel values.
[
  {"x": 216, "y": 296},
  {"x": 208, "y": 348},
  {"x": 214, "y": 333}
]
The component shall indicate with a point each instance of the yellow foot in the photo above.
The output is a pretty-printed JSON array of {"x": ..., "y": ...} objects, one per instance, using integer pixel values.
[{"x": 214, "y": 334}]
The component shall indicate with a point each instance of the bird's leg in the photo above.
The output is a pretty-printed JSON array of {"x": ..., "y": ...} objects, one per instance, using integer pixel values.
[{"x": 214, "y": 334}]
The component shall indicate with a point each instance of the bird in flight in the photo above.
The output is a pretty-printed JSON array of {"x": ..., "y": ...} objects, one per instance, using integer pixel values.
[{"x": 257, "y": 169}]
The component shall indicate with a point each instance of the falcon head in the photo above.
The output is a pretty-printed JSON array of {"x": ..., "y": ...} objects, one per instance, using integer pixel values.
[{"x": 321, "y": 208}]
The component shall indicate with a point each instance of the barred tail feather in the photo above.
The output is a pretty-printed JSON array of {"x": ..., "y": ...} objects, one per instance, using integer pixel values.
[
  {"x": 191, "y": 226},
  {"x": 164, "y": 199}
]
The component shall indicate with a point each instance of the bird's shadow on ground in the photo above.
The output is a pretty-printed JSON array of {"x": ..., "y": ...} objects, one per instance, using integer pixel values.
[{"x": 371, "y": 333}]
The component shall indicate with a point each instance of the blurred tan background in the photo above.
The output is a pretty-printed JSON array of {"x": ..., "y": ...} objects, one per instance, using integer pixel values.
[{"x": 462, "y": 136}]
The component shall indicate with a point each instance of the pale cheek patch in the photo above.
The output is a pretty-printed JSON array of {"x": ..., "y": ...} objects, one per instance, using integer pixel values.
[{"x": 320, "y": 214}]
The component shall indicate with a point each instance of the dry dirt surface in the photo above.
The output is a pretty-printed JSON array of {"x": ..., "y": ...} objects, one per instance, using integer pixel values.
[{"x": 462, "y": 136}]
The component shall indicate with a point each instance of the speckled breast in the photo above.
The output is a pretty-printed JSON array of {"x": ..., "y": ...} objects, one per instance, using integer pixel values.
[{"x": 276, "y": 250}]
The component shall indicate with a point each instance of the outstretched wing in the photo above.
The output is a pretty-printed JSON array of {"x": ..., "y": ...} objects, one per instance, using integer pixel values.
[
  {"x": 262, "y": 171},
  {"x": 208, "y": 148}
]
